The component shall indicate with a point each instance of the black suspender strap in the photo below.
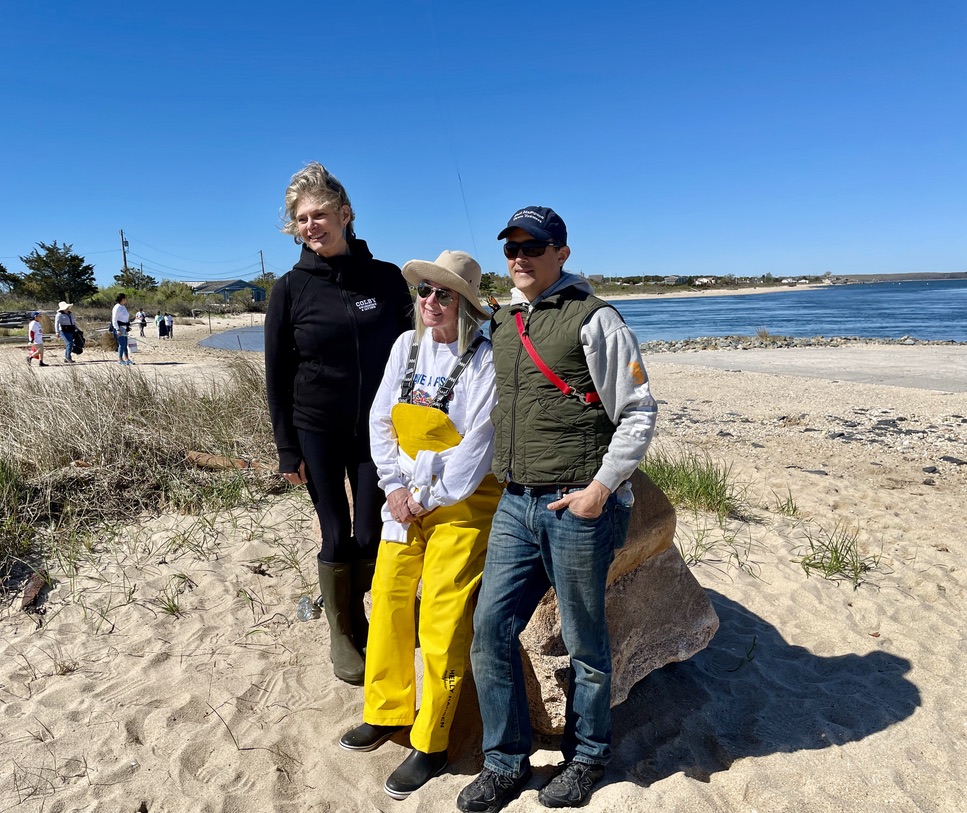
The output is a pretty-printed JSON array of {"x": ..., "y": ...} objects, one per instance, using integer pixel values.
[
  {"x": 441, "y": 400},
  {"x": 406, "y": 390}
]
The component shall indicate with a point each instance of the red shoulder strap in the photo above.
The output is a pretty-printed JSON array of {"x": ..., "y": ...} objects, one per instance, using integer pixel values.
[{"x": 587, "y": 397}]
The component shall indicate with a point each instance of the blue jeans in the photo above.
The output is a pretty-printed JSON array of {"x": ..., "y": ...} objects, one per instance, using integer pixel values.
[
  {"x": 531, "y": 549},
  {"x": 68, "y": 345},
  {"x": 122, "y": 346}
]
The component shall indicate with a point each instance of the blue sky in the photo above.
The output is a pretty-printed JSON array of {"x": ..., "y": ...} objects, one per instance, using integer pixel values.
[{"x": 701, "y": 137}]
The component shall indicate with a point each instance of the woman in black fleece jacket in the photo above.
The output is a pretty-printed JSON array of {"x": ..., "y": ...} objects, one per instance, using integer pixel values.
[{"x": 330, "y": 324}]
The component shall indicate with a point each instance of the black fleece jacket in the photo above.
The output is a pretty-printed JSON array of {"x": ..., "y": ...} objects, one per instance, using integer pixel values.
[{"x": 329, "y": 327}]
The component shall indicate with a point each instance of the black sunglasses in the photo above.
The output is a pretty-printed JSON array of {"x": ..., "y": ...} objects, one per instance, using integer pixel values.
[
  {"x": 532, "y": 248},
  {"x": 443, "y": 296}
]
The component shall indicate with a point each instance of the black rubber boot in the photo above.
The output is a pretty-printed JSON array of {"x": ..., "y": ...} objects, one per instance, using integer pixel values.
[
  {"x": 362, "y": 583},
  {"x": 414, "y": 772},
  {"x": 335, "y": 584},
  {"x": 367, "y": 737}
]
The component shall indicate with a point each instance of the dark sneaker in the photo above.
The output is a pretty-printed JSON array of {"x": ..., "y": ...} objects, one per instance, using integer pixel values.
[
  {"x": 366, "y": 737},
  {"x": 42, "y": 364},
  {"x": 572, "y": 785},
  {"x": 414, "y": 772},
  {"x": 490, "y": 791}
]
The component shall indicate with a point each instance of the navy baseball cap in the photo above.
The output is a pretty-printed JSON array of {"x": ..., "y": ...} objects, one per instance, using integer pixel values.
[{"x": 540, "y": 223}]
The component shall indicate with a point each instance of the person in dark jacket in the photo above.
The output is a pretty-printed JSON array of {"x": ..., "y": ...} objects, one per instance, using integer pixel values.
[{"x": 329, "y": 327}]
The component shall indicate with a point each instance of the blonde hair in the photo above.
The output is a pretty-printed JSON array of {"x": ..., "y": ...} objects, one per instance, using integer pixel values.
[
  {"x": 468, "y": 324},
  {"x": 318, "y": 184}
]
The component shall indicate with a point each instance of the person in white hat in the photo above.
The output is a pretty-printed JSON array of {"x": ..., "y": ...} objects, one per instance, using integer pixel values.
[
  {"x": 65, "y": 327},
  {"x": 432, "y": 441}
]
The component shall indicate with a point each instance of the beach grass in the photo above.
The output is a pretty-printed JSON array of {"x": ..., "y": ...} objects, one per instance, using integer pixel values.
[
  {"x": 835, "y": 555},
  {"x": 90, "y": 453},
  {"x": 717, "y": 515},
  {"x": 785, "y": 505},
  {"x": 692, "y": 480},
  {"x": 718, "y": 543}
]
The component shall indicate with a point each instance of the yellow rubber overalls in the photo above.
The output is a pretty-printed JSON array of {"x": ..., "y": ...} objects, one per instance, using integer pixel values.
[{"x": 446, "y": 548}]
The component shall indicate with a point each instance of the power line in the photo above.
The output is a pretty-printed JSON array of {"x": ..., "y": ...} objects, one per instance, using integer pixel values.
[
  {"x": 181, "y": 272},
  {"x": 188, "y": 259}
]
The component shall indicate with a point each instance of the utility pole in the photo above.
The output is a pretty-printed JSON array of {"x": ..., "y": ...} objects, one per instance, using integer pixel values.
[
  {"x": 124, "y": 249},
  {"x": 261, "y": 260}
]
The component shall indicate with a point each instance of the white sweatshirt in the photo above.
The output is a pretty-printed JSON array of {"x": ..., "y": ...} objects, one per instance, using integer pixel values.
[
  {"x": 119, "y": 314},
  {"x": 472, "y": 401},
  {"x": 35, "y": 332}
]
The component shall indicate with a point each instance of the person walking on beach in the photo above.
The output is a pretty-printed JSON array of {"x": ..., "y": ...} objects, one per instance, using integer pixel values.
[
  {"x": 432, "y": 441},
  {"x": 574, "y": 417},
  {"x": 65, "y": 327},
  {"x": 329, "y": 327},
  {"x": 35, "y": 335},
  {"x": 121, "y": 325},
  {"x": 142, "y": 319},
  {"x": 170, "y": 325}
]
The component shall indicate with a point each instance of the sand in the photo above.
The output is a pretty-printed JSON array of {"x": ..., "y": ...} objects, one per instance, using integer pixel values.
[{"x": 812, "y": 697}]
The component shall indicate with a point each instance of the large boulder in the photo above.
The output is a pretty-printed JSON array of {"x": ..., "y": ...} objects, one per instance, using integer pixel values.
[{"x": 657, "y": 613}]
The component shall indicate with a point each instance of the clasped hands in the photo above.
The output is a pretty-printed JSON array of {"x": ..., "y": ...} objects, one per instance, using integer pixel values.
[{"x": 402, "y": 507}]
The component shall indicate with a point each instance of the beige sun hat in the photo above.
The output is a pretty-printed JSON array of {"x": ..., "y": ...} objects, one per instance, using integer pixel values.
[
  {"x": 455, "y": 270},
  {"x": 64, "y": 306}
]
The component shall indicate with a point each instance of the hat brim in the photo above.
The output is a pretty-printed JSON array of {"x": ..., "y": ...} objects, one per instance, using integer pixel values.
[
  {"x": 533, "y": 231},
  {"x": 415, "y": 271}
]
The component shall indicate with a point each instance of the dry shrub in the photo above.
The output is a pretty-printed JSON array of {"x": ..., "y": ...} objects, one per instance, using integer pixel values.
[
  {"x": 106, "y": 341},
  {"x": 106, "y": 446}
]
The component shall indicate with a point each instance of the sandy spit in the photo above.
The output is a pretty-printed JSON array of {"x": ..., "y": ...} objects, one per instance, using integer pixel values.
[{"x": 813, "y": 696}]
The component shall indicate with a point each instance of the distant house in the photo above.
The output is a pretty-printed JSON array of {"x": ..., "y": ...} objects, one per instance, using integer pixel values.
[
  {"x": 596, "y": 279},
  {"x": 226, "y": 289},
  {"x": 705, "y": 281},
  {"x": 671, "y": 280}
]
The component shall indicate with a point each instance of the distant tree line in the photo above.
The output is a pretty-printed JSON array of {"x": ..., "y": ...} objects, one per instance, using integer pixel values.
[{"x": 55, "y": 272}]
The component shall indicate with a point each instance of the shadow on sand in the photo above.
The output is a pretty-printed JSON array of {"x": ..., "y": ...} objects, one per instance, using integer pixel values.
[{"x": 748, "y": 694}]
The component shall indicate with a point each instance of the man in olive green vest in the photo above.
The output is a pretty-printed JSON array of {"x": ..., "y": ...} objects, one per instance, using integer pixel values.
[{"x": 574, "y": 418}]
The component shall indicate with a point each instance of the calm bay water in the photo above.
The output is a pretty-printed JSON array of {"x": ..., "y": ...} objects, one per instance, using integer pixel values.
[{"x": 925, "y": 310}]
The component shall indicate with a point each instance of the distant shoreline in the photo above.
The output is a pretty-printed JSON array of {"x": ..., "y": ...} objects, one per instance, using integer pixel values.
[{"x": 698, "y": 293}]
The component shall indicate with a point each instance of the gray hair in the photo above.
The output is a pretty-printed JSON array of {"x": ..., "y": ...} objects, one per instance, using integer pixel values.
[
  {"x": 318, "y": 184},
  {"x": 468, "y": 324}
]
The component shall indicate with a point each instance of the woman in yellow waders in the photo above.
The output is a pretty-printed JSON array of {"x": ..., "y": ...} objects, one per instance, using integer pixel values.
[{"x": 432, "y": 442}]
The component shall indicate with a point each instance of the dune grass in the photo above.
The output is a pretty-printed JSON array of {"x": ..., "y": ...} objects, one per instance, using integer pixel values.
[
  {"x": 785, "y": 504},
  {"x": 691, "y": 479},
  {"x": 835, "y": 555},
  {"x": 705, "y": 490},
  {"x": 87, "y": 452},
  {"x": 716, "y": 532}
]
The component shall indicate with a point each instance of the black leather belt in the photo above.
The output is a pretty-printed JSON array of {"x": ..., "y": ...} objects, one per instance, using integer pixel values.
[{"x": 539, "y": 491}]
